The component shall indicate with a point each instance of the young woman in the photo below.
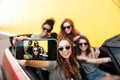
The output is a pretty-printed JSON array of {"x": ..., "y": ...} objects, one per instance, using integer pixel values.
[
  {"x": 67, "y": 29},
  {"x": 65, "y": 68},
  {"x": 46, "y": 27},
  {"x": 46, "y": 30},
  {"x": 36, "y": 53},
  {"x": 43, "y": 54},
  {"x": 88, "y": 58}
]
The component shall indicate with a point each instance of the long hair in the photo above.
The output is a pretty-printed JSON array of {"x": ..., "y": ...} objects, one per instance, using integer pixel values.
[
  {"x": 36, "y": 56},
  {"x": 73, "y": 33},
  {"x": 64, "y": 65},
  {"x": 36, "y": 44},
  {"x": 78, "y": 51}
]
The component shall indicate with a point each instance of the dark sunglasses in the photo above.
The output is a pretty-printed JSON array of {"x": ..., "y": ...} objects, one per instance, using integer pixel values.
[
  {"x": 66, "y": 47},
  {"x": 35, "y": 50},
  {"x": 48, "y": 30},
  {"x": 83, "y": 44},
  {"x": 64, "y": 27}
]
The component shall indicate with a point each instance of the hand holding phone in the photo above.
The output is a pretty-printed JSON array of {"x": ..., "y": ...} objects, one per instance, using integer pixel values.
[{"x": 36, "y": 49}]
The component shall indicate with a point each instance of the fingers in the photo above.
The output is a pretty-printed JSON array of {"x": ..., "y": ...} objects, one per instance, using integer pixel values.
[
  {"x": 75, "y": 38},
  {"x": 22, "y": 62},
  {"x": 22, "y": 38},
  {"x": 14, "y": 40},
  {"x": 97, "y": 52},
  {"x": 19, "y": 38}
]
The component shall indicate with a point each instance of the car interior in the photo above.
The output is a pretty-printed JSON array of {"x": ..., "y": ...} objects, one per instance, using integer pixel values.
[
  {"x": 33, "y": 73},
  {"x": 39, "y": 74}
]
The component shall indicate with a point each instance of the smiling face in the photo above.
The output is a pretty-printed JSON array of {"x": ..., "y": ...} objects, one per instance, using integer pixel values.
[
  {"x": 83, "y": 45},
  {"x": 35, "y": 51},
  {"x": 46, "y": 29},
  {"x": 67, "y": 27},
  {"x": 64, "y": 49}
]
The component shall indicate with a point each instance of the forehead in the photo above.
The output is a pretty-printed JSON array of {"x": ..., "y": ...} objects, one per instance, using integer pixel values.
[
  {"x": 47, "y": 26},
  {"x": 82, "y": 40},
  {"x": 63, "y": 42},
  {"x": 66, "y": 24},
  {"x": 35, "y": 48}
]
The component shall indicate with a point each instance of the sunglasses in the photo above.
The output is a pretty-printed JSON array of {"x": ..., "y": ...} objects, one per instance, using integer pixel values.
[
  {"x": 35, "y": 50},
  {"x": 66, "y": 47},
  {"x": 48, "y": 30},
  {"x": 81, "y": 44},
  {"x": 64, "y": 27}
]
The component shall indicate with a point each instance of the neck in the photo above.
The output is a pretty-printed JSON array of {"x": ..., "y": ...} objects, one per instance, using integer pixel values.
[
  {"x": 83, "y": 53},
  {"x": 67, "y": 60}
]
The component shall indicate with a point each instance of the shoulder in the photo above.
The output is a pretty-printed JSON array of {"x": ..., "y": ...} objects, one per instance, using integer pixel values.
[
  {"x": 52, "y": 65},
  {"x": 77, "y": 64},
  {"x": 35, "y": 35},
  {"x": 77, "y": 32}
]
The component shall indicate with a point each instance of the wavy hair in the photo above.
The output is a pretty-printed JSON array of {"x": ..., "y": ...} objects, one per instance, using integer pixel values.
[
  {"x": 68, "y": 69},
  {"x": 73, "y": 33},
  {"x": 78, "y": 51}
]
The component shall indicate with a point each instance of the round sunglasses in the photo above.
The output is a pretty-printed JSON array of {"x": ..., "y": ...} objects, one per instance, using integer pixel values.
[
  {"x": 48, "y": 30},
  {"x": 66, "y": 47},
  {"x": 81, "y": 44},
  {"x": 64, "y": 27},
  {"x": 35, "y": 50}
]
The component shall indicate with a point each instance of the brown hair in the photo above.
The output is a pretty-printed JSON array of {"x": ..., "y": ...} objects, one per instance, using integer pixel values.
[
  {"x": 78, "y": 51},
  {"x": 73, "y": 32},
  {"x": 66, "y": 68}
]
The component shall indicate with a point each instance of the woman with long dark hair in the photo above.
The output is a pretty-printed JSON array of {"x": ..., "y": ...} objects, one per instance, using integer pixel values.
[
  {"x": 89, "y": 61},
  {"x": 64, "y": 68}
]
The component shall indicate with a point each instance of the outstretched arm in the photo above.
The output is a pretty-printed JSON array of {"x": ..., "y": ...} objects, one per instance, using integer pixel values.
[
  {"x": 94, "y": 61},
  {"x": 34, "y": 63},
  {"x": 19, "y": 38},
  {"x": 38, "y": 63}
]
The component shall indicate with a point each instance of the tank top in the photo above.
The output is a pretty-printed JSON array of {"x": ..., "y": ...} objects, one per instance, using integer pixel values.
[{"x": 88, "y": 67}]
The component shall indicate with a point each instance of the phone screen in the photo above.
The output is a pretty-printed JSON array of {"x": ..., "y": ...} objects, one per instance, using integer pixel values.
[{"x": 36, "y": 49}]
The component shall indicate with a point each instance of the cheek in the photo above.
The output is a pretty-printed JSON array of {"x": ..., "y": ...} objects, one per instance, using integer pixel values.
[
  {"x": 70, "y": 29},
  {"x": 70, "y": 51},
  {"x": 60, "y": 53},
  {"x": 83, "y": 48}
]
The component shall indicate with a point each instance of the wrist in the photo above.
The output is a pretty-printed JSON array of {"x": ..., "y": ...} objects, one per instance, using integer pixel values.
[{"x": 108, "y": 60}]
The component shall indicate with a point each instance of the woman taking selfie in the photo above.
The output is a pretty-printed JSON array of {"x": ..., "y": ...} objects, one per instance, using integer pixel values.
[{"x": 64, "y": 68}]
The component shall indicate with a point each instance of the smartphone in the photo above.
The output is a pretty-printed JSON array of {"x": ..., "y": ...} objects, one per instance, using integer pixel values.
[{"x": 36, "y": 49}]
